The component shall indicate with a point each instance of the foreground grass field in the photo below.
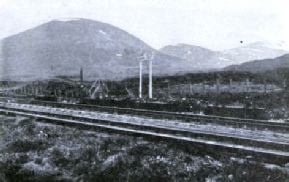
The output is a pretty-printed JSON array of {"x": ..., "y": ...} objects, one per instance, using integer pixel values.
[{"x": 35, "y": 151}]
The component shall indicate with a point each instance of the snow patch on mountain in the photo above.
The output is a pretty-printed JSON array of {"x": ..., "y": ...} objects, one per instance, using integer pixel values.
[
  {"x": 220, "y": 59},
  {"x": 67, "y": 19},
  {"x": 277, "y": 45},
  {"x": 256, "y": 50},
  {"x": 224, "y": 59},
  {"x": 102, "y": 32},
  {"x": 189, "y": 52}
]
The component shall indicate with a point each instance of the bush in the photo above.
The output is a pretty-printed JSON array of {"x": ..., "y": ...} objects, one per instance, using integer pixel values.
[
  {"x": 59, "y": 159},
  {"x": 249, "y": 171},
  {"x": 27, "y": 145},
  {"x": 92, "y": 156},
  {"x": 11, "y": 167}
]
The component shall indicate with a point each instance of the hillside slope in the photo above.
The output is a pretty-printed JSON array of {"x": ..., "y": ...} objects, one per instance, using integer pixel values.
[
  {"x": 62, "y": 47},
  {"x": 205, "y": 59},
  {"x": 261, "y": 65}
]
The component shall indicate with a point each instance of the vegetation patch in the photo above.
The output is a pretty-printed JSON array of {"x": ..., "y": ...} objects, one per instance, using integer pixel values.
[{"x": 35, "y": 151}]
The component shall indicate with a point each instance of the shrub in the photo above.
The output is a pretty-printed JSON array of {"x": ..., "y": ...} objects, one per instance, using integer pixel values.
[
  {"x": 249, "y": 171},
  {"x": 59, "y": 159},
  {"x": 11, "y": 166},
  {"x": 27, "y": 145}
]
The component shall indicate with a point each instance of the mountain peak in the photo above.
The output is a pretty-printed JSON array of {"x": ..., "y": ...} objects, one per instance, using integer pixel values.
[
  {"x": 273, "y": 44},
  {"x": 67, "y": 45},
  {"x": 194, "y": 54},
  {"x": 205, "y": 58},
  {"x": 60, "y": 47},
  {"x": 68, "y": 19}
]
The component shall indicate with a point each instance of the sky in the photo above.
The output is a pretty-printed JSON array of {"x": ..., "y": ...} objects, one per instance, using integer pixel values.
[{"x": 213, "y": 24}]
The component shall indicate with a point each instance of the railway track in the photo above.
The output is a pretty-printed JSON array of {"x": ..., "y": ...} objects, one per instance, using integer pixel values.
[
  {"x": 276, "y": 150},
  {"x": 231, "y": 121}
]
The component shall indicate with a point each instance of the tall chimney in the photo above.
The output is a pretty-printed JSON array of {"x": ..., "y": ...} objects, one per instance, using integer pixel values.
[
  {"x": 81, "y": 76},
  {"x": 265, "y": 86},
  {"x": 247, "y": 84},
  {"x": 218, "y": 85}
]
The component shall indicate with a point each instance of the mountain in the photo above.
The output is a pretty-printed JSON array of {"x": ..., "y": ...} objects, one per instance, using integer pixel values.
[
  {"x": 205, "y": 59},
  {"x": 254, "y": 51},
  {"x": 186, "y": 51},
  {"x": 196, "y": 55},
  {"x": 261, "y": 65},
  {"x": 61, "y": 47}
]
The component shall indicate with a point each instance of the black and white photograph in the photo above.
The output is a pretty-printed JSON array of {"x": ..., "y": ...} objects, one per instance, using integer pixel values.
[{"x": 144, "y": 90}]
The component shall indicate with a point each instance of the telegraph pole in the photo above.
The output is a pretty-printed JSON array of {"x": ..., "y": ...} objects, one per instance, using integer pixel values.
[
  {"x": 151, "y": 76},
  {"x": 140, "y": 78},
  {"x": 141, "y": 59}
]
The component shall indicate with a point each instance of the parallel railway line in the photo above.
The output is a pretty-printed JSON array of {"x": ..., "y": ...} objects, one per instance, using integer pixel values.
[
  {"x": 185, "y": 117},
  {"x": 267, "y": 148}
]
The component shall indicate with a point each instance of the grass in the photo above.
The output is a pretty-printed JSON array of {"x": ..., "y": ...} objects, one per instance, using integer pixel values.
[{"x": 41, "y": 152}]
